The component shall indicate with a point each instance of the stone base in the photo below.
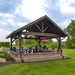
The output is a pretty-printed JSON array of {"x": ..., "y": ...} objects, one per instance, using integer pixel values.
[
  {"x": 59, "y": 51},
  {"x": 15, "y": 56},
  {"x": 41, "y": 58},
  {"x": 2, "y": 60},
  {"x": 33, "y": 57}
]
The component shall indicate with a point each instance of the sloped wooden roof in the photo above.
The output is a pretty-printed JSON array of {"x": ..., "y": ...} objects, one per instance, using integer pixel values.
[{"x": 53, "y": 28}]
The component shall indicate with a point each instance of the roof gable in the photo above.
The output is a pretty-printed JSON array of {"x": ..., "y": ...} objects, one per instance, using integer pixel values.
[{"x": 36, "y": 26}]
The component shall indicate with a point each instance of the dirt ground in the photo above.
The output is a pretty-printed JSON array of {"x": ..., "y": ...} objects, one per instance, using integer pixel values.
[{"x": 8, "y": 62}]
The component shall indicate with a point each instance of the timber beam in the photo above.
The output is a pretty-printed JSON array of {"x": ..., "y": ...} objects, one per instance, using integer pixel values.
[
  {"x": 39, "y": 34},
  {"x": 26, "y": 38}
]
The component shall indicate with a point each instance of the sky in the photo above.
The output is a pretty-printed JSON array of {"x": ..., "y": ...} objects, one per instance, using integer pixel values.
[{"x": 17, "y": 13}]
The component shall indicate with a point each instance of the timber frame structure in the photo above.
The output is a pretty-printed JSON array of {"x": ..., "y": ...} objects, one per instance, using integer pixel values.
[{"x": 42, "y": 28}]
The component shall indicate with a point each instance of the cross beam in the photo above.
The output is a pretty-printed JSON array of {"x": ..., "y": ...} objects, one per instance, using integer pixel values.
[{"x": 39, "y": 34}]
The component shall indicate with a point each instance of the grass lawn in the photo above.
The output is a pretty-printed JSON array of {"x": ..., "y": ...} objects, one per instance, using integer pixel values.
[{"x": 59, "y": 67}]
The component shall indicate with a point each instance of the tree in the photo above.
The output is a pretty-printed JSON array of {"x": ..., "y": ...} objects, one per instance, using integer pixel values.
[
  {"x": 47, "y": 43},
  {"x": 54, "y": 45},
  {"x": 69, "y": 43},
  {"x": 17, "y": 42},
  {"x": 70, "y": 30},
  {"x": 30, "y": 41},
  {"x": 5, "y": 44}
]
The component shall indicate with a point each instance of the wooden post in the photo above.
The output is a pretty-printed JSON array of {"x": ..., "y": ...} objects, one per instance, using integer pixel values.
[
  {"x": 59, "y": 42},
  {"x": 20, "y": 48},
  {"x": 38, "y": 40},
  {"x": 20, "y": 43},
  {"x": 39, "y": 45},
  {"x": 59, "y": 45},
  {"x": 10, "y": 43}
]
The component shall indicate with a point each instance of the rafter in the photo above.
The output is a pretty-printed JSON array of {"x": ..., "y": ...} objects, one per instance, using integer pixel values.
[
  {"x": 38, "y": 27},
  {"x": 42, "y": 27},
  {"x": 45, "y": 28}
]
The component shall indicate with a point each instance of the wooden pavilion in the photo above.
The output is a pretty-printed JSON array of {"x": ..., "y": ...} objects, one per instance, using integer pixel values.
[{"x": 42, "y": 28}]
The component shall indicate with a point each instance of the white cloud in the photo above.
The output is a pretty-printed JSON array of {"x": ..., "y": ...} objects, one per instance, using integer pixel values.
[
  {"x": 64, "y": 39},
  {"x": 17, "y": 10},
  {"x": 11, "y": 21},
  {"x": 2, "y": 23},
  {"x": 65, "y": 23},
  {"x": 6, "y": 15},
  {"x": 54, "y": 40},
  {"x": 65, "y": 6},
  {"x": 32, "y": 9},
  {"x": 21, "y": 24},
  {"x": 3, "y": 34},
  {"x": 8, "y": 19}
]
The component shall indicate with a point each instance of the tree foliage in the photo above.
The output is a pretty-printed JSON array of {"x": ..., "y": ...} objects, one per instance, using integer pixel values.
[
  {"x": 4, "y": 54},
  {"x": 32, "y": 42},
  {"x": 17, "y": 42},
  {"x": 54, "y": 45},
  {"x": 70, "y": 30},
  {"x": 4, "y": 44}
]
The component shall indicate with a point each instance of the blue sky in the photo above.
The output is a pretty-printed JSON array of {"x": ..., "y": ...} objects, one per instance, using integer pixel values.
[{"x": 17, "y": 13}]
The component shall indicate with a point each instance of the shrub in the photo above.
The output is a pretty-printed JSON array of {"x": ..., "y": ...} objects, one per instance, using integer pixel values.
[
  {"x": 36, "y": 45},
  {"x": 54, "y": 45},
  {"x": 5, "y": 44},
  {"x": 4, "y": 54}
]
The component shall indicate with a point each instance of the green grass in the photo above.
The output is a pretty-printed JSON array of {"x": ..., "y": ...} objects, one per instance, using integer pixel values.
[{"x": 59, "y": 67}]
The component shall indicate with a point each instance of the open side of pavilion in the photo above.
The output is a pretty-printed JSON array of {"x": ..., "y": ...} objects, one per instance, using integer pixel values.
[{"x": 42, "y": 28}]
